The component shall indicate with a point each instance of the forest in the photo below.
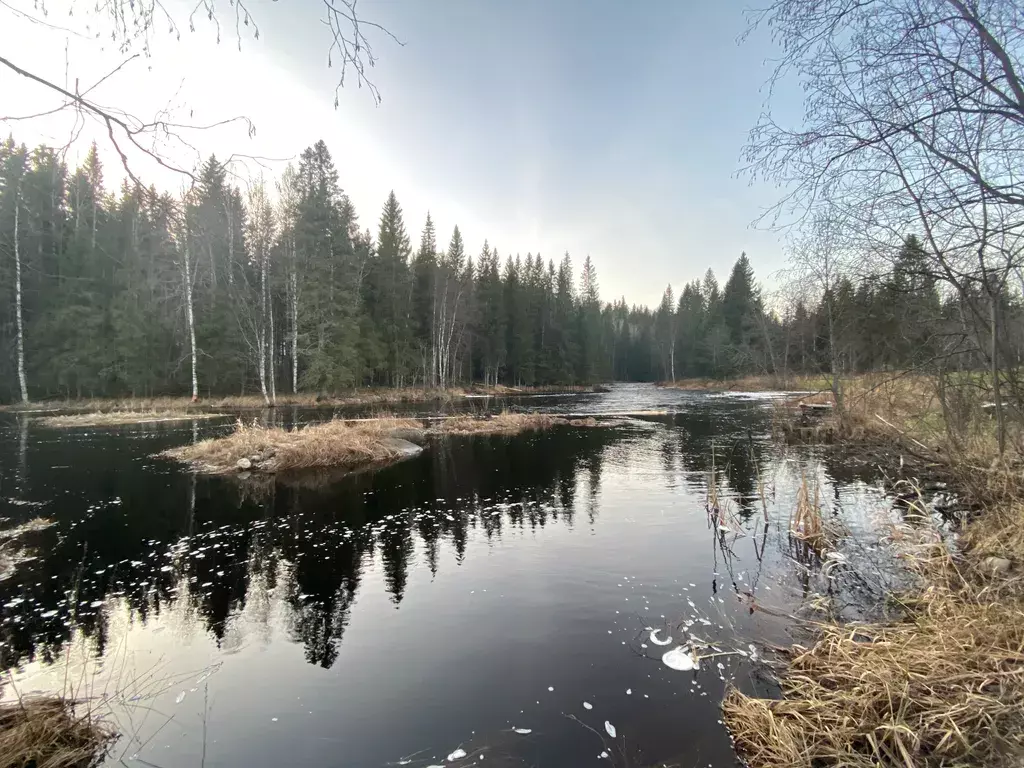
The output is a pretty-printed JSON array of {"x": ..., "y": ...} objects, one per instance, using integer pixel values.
[{"x": 278, "y": 288}]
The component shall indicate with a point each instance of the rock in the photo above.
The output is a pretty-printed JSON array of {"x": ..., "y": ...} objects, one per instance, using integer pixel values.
[
  {"x": 410, "y": 434},
  {"x": 400, "y": 446},
  {"x": 996, "y": 566},
  {"x": 243, "y": 464}
]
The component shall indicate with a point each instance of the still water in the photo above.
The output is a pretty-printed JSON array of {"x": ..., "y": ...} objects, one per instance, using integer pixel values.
[{"x": 492, "y": 596}]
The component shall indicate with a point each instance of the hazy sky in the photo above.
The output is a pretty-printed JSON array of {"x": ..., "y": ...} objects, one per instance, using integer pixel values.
[{"x": 607, "y": 128}]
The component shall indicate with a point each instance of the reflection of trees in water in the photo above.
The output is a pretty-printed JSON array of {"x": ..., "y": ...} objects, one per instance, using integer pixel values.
[
  {"x": 217, "y": 544},
  {"x": 729, "y": 438}
]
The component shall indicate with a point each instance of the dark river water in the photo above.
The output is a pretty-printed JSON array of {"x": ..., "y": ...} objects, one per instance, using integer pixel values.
[{"x": 492, "y": 596}]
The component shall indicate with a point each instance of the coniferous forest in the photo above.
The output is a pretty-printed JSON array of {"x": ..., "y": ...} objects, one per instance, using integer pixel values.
[{"x": 283, "y": 288}]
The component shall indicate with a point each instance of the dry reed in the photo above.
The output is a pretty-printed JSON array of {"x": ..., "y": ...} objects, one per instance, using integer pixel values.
[
  {"x": 48, "y": 732},
  {"x": 806, "y": 523},
  {"x": 943, "y": 687}
]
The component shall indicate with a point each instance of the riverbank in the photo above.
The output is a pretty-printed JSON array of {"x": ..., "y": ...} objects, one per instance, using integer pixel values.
[
  {"x": 50, "y": 731},
  {"x": 943, "y": 685},
  {"x": 373, "y": 396},
  {"x": 346, "y": 444},
  {"x": 120, "y": 418},
  {"x": 749, "y": 384}
]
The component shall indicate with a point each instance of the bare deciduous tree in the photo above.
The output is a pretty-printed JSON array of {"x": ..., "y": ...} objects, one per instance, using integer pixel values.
[{"x": 913, "y": 122}]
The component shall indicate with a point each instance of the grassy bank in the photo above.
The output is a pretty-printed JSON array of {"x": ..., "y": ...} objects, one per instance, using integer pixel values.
[
  {"x": 944, "y": 685},
  {"x": 119, "y": 418},
  {"x": 749, "y": 384},
  {"x": 371, "y": 396},
  {"x": 345, "y": 444},
  {"x": 50, "y": 732}
]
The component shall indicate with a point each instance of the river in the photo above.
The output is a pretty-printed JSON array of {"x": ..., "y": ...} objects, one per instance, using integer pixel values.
[{"x": 492, "y": 596}]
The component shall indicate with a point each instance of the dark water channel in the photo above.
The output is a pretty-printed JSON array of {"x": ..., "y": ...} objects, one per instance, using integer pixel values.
[{"x": 490, "y": 595}]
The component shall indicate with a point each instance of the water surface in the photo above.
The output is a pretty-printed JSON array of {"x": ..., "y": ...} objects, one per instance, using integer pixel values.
[{"x": 472, "y": 598}]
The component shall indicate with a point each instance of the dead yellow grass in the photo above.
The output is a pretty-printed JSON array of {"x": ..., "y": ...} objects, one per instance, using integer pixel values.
[
  {"x": 334, "y": 443},
  {"x": 504, "y": 423},
  {"x": 944, "y": 686},
  {"x": 117, "y": 418},
  {"x": 742, "y": 384},
  {"x": 357, "y": 397},
  {"x": 48, "y": 732},
  {"x": 806, "y": 524}
]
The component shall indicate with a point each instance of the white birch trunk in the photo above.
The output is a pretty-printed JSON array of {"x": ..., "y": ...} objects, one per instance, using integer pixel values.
[
  {"x": 294, "y": 281},
  {"x": 271, "y": 368},
  {"x": 190, "y": 315},
  {"x": 261, "y": 336},
  {"x": 17, "y": 300}
]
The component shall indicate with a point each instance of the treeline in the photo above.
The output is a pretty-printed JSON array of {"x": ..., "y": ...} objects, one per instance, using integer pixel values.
[{"x": 216, "y": 291}]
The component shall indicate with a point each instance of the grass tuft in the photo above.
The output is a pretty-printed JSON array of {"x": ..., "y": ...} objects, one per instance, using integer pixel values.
[
  {"x": 943, "y": 687},
  {"x": 49, "y": 732}
]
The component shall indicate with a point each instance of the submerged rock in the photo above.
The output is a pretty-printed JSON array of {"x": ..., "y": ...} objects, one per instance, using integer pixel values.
[
  {"x": 411, "y": 435},
  {"x": 400, "y": 446}
]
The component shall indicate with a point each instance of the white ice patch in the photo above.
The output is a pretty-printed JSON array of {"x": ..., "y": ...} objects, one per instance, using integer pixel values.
[
  {"x": 603, "y": 755},
  {"x": 656, "y": 641},
  {"x": 629, "y": 691},
  {"x": 680, "y": 659},
  {"x": 180, "y": 698},
  {"x": 458, "y": 754},
  {"x": 523, "y": 731},
  {"x": 587, "y": 705},
  {"x": 610, "y": 728}
]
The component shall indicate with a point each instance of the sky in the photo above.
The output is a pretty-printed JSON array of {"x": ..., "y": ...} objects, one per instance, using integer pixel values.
[{"x": 589, "y": 126}]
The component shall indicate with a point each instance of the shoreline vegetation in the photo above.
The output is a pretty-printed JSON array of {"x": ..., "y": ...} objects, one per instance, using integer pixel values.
[
  {"x": 349, "y": 444},
  {"x": 942, "y": 685},
  {"x": 116, "y": 418},
  {"x": 51, "y": 731},
  {"x": 116, "y": 411}
]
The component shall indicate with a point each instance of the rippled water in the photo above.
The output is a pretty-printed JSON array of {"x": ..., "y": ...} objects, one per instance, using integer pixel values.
[{"x": 492, "y": 596}]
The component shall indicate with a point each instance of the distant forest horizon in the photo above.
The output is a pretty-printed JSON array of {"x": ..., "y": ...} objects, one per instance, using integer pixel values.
[{"x": 220, "y": 292}]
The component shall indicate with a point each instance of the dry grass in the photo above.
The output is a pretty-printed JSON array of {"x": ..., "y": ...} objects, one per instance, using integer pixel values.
[
  {"x": 48, "y": 732},
  {"x": 743, "y": 384},
  {"x": 334, "y": 443},
  {"x": 117, "y": 418},
  {"x": 944, "y": 686},
  {"x": 357, "y": 397},
  {"x": 806, "y": 523},
  {"x": 504, "y": 423}
]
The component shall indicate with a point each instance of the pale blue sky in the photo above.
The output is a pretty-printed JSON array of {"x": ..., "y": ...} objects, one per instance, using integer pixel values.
[{"x": 599, "y": 127}]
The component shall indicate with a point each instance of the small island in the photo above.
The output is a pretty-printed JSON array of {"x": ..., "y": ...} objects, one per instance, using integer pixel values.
[{"x": 347, "y": 443}]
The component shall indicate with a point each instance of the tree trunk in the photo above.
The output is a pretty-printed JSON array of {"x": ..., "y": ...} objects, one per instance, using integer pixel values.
[
  {"x": 293, "y": 281},
  {"x": 261, "y": 336},
  {"x": 271, "y": 367},
  {"x": 191, "y": 317},
  {"x": 996, "y": 388},
  {"x": 17, "y": 300}
]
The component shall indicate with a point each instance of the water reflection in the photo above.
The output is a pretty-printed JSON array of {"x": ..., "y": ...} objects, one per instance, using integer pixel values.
[
  {"x": 417, "y": 603},
  {"x": 214, "y": 542}
]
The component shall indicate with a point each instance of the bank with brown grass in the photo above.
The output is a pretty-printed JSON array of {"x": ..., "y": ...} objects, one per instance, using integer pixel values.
[
  {"x": 765, "y": 383},
  {"x": 51, "y": 732},
  {"x": 944, "y": 685},
  {"x": 343, "y": 443},
  {"x": 120, "y": 418},
  {"x": 369, "y": 396}
]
